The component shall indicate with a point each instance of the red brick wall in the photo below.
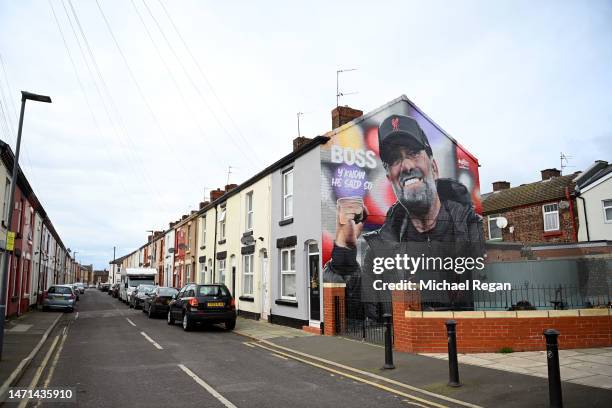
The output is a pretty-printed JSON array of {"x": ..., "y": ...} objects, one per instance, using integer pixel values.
[
  {"x": 528, "y": 225},
  {"x": 428, "y": 335},
  {"x": 329, "y": 314}
]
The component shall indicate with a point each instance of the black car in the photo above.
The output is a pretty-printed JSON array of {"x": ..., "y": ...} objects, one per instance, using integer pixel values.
[
  {"x": 203, "y": 304},
  {"x": 114, "y": 290},
  {"x": 156, "y": 302},
  {"x": 138, "y": 295}
]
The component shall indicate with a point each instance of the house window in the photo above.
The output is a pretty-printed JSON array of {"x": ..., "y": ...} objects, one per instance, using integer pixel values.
[
  {"x": 249, "y": 211},
  {"x": 607, "y": 208},
  {"x": 288, "y": 194},
  {"x": 221, "y": 271},
  {"x": 494, "y": 231},
  {"x": 247, "y": 271},
  {"x": 19, "y": 208},
  {"x": 288, "y": 273},
  {"x": 188, "y": 273},
  {"x": 222, "y": 224},
  {"x": 188, "y": 238},
  {"x": 7, "y": 193},
  {"x": 551, "y": 217},
  {"x": 203, "y": 240}
]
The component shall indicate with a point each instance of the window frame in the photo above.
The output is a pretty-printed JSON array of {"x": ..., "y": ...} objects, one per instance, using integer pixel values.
[
  {"x": 544, "y": 213},
  {"x": 489, "y": 219},
  {"x": 221, "y": 221},
  {"x": 288, "y": 272},
  {"x": 286, "y": 194},
  {"x": 221, "y": 270},
  {"x": 203, "y": 233},
  {"x": 606, "y": 207},
  {"x": 248, "y": 274},
  {"x": 249, "y": 213}
]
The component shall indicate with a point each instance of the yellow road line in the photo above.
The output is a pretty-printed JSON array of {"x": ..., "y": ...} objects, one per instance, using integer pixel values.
[
  {"x": 39, "y": 371},
  {"x": 353, "y": 377},
  {"x": 375, "y": 376}
]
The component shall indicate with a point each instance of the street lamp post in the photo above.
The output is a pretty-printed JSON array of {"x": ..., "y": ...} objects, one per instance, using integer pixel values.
[{"x": 3, "y": 293}]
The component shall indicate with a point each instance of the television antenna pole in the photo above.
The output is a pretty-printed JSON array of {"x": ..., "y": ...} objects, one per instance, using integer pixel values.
[{"x": 338, "y": 93}]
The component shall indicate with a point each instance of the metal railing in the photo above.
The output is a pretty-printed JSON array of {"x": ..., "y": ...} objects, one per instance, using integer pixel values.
[{"x": 359, "y": 320}]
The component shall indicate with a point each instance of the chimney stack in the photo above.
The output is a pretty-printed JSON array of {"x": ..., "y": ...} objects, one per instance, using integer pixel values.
[
  {"x": 500, "y": 185},
  {"x": 204, "y": 204},
  {"x": 230, "y": 187},
  {"x": 300, "y": 141},
  {"x": 344, "y": 114},
  {"x": 550, "y": 173},
  {"x": 215, "y": 194},
  {"x": 183, "y": 217}
]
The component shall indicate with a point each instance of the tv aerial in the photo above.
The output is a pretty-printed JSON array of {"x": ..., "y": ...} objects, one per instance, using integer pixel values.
[{"x": 338, "y": 93}]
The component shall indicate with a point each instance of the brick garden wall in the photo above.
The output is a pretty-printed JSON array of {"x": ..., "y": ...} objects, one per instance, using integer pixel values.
[{"x": 425, "y": 332}]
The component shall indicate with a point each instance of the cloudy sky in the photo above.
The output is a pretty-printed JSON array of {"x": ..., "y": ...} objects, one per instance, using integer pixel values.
[{"x": 152, "y": 101}]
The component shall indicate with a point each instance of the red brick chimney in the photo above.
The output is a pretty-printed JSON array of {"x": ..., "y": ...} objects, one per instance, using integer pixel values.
[
  {"x": 550, "y": 173},
  {"x": 500, "y": 185},
  {"x": 230, "y": 187},
  {"x": 204, "y": 204},
  {"x": 215, "y": 194},
  {"x": 344, "y": 114},
  {"x": 300, "y": 141}
]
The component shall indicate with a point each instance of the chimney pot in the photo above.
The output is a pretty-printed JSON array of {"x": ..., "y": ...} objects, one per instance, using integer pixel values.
[
  {"x": 500, "y": 185},
  {"x": 550, "y": 173},
  {"x": 344, "y": 114},
  {"x": 215, "y": 194},
  {"x": 230, "y": 187},
  {"x": 300, "y": 141}
]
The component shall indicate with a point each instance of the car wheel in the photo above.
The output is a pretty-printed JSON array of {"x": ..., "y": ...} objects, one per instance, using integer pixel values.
[
  {"x": 187, "y": 324},
  {"x": 70, "y": 310},
  {"x": 170, "y": 318},
  {"x": 45, "y": 308},
  {"x": 230, "y": 324}
]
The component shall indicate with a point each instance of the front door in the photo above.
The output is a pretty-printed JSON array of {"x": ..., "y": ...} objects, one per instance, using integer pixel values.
[
  {"x": 265, "y": 302},
  {"x": 315, "y": 288}
]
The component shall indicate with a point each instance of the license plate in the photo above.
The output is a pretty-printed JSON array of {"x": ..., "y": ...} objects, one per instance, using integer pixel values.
[{"x": 215, "y": 304}]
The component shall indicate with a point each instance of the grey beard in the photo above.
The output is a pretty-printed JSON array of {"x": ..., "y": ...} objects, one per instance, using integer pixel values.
[{"x": 417, "y": 202}]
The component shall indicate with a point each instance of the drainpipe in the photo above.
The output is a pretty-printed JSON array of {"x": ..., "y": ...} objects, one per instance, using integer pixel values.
[
  {"x": 586, "y": 220},
  {"x": 571, "y": 204},
  {"x": 214, "y": 263},
  {"x": 40, "y": 246}
]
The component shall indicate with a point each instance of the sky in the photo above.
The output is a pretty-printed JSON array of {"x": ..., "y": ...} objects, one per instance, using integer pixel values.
[{"x": 153, "y": 100}]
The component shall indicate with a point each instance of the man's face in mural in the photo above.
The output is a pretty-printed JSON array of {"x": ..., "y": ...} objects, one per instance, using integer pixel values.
[{"x": 413, "y": 175}]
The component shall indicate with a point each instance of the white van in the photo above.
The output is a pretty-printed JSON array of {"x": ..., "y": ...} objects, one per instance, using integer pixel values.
[{"x": 132, "y": 277}]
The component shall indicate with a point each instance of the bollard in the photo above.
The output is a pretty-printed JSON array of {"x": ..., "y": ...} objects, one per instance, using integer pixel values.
[
  {"x": 554, "y": 373},
  {"x": 388, "y": 343},
  {"x": 453, "y": 365}
]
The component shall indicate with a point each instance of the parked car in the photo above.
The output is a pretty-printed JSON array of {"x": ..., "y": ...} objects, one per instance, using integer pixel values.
[
  {"x": 75, "y": 288},
  {"x": 203, "y": 304},
  {"x": 104, "y": 287},
  {"x": 115, "y": 290},
  {"x": 81, "y": 287},
  {"x": 59, "y": 297},
  {"x": 157, "y": 301},
  {"x": 138, "y": 295}
]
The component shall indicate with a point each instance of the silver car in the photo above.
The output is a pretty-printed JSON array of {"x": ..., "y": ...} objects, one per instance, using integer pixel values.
[{"x": 59, "y": 297}]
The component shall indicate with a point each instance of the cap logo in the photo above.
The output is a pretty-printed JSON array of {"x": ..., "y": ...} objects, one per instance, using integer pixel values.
[{"x": 395, "y": 124}]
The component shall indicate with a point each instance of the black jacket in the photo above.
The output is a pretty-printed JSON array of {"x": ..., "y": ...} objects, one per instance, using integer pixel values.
[{"x": 458, "y": 233}]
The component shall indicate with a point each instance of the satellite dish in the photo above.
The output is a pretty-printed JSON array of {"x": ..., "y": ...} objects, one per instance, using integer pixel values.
[
  {"x": 501, "y": 222},
  {"x": 248, "y": 240},
  {"x": 564, "y": 205}
]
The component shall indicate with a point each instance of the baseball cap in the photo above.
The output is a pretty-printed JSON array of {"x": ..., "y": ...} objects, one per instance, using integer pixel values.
[{"x": 400, "y": 130}]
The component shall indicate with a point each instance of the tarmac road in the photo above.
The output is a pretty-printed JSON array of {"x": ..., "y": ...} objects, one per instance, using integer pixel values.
[{"x": 118, "y": 357}]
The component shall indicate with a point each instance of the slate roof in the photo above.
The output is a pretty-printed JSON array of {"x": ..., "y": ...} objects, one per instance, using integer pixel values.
[{"x": 526, "y": 194}]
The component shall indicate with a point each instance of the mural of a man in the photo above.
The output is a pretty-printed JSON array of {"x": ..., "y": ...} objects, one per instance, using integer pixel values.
[{"x": 432, "y": 217}]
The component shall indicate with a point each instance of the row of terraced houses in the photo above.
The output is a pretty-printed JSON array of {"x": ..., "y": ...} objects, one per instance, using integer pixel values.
[{"x": 39, "y": 257}]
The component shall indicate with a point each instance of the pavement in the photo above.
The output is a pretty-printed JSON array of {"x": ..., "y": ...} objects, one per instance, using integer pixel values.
[
  {"x": 591, "y": 366},
  {"x": 22, "y": 335},
  {"x": 482, "y": 384}
]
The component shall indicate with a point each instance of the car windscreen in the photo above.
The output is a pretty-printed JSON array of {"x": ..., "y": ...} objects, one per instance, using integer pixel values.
[
  {"x": 145, "y": 288},
  {"x": 167, "y": 291},
  {"x": 60, "y": 289},
  {"x": 212, "y": 290},
  {"x": 140, "y": 281}
]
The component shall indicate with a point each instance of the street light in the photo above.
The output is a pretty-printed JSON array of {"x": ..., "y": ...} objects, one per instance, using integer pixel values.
[{"x": 24, "y": 97}]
